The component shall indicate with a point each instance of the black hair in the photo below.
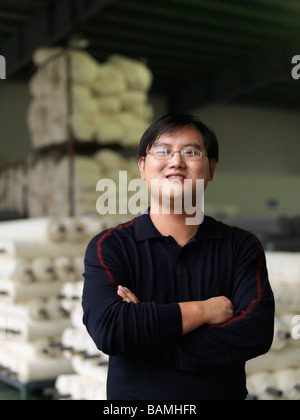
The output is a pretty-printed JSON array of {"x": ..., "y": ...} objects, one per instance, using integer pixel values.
[{"x": 170, "y": 123}]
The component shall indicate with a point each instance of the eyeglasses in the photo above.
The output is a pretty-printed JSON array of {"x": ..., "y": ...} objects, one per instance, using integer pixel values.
[{"x": 164, "y": 153}]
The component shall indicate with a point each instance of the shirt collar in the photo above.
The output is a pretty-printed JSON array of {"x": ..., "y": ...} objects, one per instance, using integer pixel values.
[{"x": 209, "y": 229}]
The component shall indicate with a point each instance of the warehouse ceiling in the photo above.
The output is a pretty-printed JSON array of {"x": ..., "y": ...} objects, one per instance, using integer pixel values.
[{"x": 200, "y": 51}]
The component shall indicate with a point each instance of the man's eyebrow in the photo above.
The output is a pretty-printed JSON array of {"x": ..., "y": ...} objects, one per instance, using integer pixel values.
[
  {"x": 195, "y": 145},
  {"x": 163, "y": 143}
]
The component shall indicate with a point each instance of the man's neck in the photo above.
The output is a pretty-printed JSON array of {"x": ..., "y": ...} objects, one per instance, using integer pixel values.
[{"x": 174, "y": 225}]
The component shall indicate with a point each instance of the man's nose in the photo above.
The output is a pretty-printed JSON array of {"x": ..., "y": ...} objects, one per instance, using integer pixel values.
[{"x": 176, "y": 159}]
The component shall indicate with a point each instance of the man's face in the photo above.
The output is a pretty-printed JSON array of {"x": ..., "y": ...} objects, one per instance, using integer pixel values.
[{"x": 175, "y": 170}]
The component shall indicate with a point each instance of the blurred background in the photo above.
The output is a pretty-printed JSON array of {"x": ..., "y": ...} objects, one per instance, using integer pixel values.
[{"x": 83, "y": 81}]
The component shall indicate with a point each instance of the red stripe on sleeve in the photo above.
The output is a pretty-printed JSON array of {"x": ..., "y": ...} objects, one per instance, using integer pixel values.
[
  {"x": 253, "y": 303},
  {"x": 100, "y": 253}
]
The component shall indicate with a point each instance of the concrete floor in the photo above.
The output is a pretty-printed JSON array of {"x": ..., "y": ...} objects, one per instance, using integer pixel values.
[{"x": 9, "y": 393}]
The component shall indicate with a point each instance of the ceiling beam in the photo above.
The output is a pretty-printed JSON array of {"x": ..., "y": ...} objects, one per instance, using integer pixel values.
[
  {"x": 52, "y": 25},
  {"x": 120, "y": 32},
  {"x": 257, "y": 11},
  {"x": 211, "y": 20},
  {"x": 165, "y": 27},
  {"x": 235, "y": 82}
]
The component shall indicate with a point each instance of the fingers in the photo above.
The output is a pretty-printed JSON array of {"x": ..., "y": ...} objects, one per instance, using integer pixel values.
[{"x": 127, "y": 295}]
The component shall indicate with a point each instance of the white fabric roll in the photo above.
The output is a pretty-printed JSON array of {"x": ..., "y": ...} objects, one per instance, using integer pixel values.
[
  {"x": 68, "y": 338},
  {"x": 34, "y": 309},
  {"x": 288, "y": 381},
  {"x": 76, "y": 317},
  {"x": 62, "y": 384},
  {"x": 79, "y": 265},
  {"x": 65, "y": 269},
  {"x": 89, "y": 368},
  {"x": 78, "y": 387},
  {"x": 289, "y": 357},
  {"x": 287, "y": 299},
  {"x": 95, "y": 224},
  {"x": 65, "y": 296},
  {"x": 31, "y": 330},
  {"x": 92, "y": 390},
  {"x": 84, "y": 340},
  {"x": 7, "y": 357},
  {"x": 42, "y": 229},
  {"x": 70, "y": 295},
  {"x": 54, "y": 309},
  {"x": 283, "y": 267},
  {"x": 263, "y": 385},
  {"x": 41, "y": 369},
  {"x": 18, "y": 270},
  {"x": 76, "y": 228},
  {"x": 16, "y": 292},
  {"x": 27, "y": 249},
  {"x": 80, "y": 341},
  {"x": 33, "y": 349},
  {"x": 43, "y": 269}
]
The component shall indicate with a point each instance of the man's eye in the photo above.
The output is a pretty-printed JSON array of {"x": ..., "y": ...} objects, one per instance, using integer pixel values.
[
  {"x": 163, "y": 152},
  {"x": 190, "y": 152}
]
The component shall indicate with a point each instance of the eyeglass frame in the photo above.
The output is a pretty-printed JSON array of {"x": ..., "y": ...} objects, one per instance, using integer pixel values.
[{"x": 171, "y": 155}]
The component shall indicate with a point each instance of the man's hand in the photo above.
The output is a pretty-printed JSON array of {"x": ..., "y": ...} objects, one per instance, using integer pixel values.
[
  {"x": 127, "y": 295},
  {"x": 215, "y": 310},
  {"x": 218, "y": 309}
]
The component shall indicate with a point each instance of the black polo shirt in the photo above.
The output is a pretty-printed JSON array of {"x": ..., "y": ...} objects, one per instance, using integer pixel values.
[{"x": 150, "y": 359}]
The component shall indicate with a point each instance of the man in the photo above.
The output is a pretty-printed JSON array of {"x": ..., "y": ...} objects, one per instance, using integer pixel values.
[{"x": 179, "y": 307}]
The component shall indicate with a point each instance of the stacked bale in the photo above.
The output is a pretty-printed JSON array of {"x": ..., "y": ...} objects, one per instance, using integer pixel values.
[
  {"x": 37, "y": 257},
  {"x": 88, "y": 382},
  {"x": 276, "y": 375},
  {"x": 65, "y": 194},
  {"x": 102, "y": 102}
]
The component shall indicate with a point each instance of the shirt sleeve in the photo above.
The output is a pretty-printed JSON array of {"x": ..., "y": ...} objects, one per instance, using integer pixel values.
[
  {"x": 119, "y": 327},
  {"x": 249, "y": 333}
]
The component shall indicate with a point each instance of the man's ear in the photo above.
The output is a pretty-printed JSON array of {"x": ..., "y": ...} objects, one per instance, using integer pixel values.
[
  {"x": 212, "y": 168},
  {"x": 141, "y": 164}
]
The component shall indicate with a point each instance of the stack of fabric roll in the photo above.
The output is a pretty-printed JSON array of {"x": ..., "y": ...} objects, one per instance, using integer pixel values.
[
  {"x": 75, "y": 99},
  {"x": 88, "y": 382},
  {"x": 13, "y": 188},
  {"x": 78, "y": 176},
  {"x": 102, "y": 102},
  {"x": 276, "y": 375},
  {"x": 37, "y": 257},
  {"x": 70, "y": 187}
]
